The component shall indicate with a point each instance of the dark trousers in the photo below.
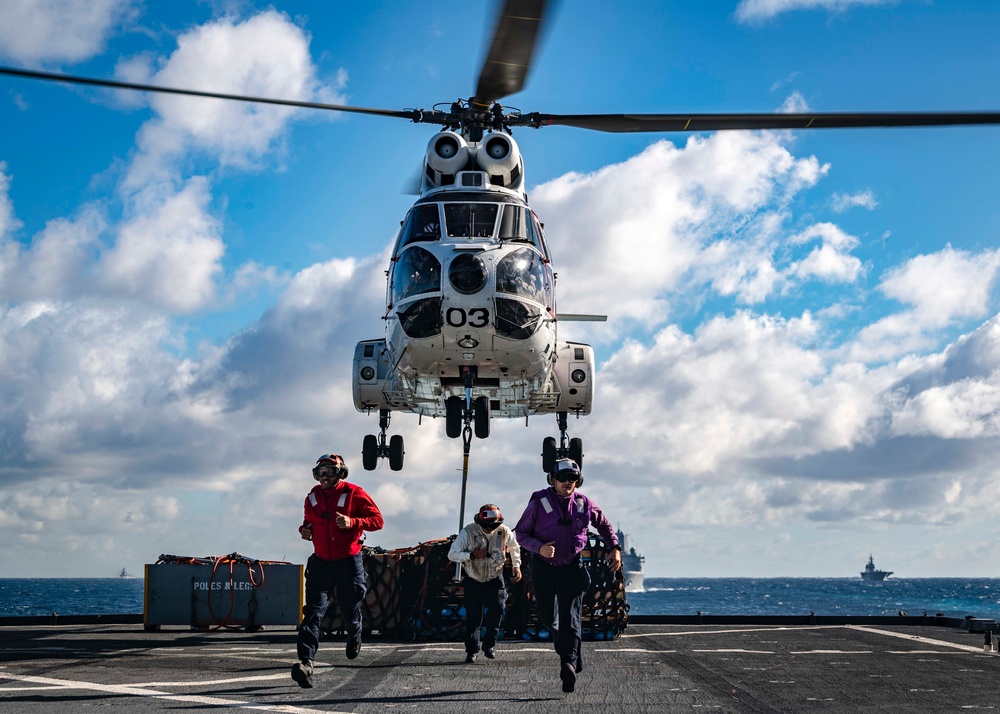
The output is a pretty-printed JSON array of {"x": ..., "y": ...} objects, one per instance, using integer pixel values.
[
  {"x": 565, "y": 585},
  {"x": 346, "y": 577},
  {"x": 483, "y": 606}
]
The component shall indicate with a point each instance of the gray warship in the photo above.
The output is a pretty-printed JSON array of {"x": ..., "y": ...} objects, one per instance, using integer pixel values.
[
  {"x": 631, "y": 564},
  {"x": 873, "y": 575}
]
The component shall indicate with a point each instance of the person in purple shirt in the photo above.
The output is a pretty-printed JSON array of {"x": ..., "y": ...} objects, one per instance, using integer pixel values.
[{"x": 554, "y": 528}]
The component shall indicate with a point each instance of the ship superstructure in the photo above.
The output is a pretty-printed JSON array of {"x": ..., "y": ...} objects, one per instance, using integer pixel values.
[
  {"x": 871, "y": 573},
  {"x": 631, "y": 564}
]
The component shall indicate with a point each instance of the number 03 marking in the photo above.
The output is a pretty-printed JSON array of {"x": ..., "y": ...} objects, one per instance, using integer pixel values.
[{"x": 476, "y": 317}]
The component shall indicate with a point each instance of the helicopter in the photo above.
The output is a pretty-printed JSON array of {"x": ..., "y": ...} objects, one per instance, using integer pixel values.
[
  {"x": 470, "y": 313},
  {"x": 471, "y": 321}
]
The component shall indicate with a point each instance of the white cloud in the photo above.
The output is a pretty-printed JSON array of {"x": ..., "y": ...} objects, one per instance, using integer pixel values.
[
  {"x": 169, "y": 253},
  {"x": 756, "y": 10},
  {"x": 795, "y": 103},
  {"x": 8, "y": 221},
  {"x": 831, "y": 261},
  {"x": 265, "y": 55},
  {"x": 962, "y": 410},
  {"x": 941, "y": 289},
  {"x": 709, "y": 212},
  {"x": 944, "y": 285},
  {"x": 43, "y": 31},
  {"x": 58, "y": 261},
  {"x": 841, "y": 202}
]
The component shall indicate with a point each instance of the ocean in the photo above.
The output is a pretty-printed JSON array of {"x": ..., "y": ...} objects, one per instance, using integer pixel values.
[{"x": 952, "y": 597}]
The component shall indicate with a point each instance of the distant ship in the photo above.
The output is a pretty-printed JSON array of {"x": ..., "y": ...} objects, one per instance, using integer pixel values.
[
  {"x": 124, "y": 574},
  {"x": 870, "y": 573},
  {"x": 631, "y": 564}
]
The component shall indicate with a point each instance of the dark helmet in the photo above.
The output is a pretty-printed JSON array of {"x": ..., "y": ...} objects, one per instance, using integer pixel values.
[
  {"x": 334, "y": 460},
  {"x": 565, "y": 467},
  {"x": 489, "y": 515}
]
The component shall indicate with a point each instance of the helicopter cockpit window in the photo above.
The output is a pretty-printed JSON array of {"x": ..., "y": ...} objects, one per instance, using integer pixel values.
[
  {"x": 417, "y": 271},
  {"x": 516, "y": 225},
  {"x": 470, "y": 220},
  {"x": 522, "y": 273},
  {"x": 423, "y": 224},
  {"x": 516, "y": 320}
]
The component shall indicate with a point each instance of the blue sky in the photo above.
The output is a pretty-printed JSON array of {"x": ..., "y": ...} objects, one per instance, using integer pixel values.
[{"x": 800, "y": 365}]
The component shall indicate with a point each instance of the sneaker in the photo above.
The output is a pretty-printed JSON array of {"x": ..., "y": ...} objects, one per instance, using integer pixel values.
[
  {"x": 568, "y": 676},
  {"x": 489, "y": 652},
  {"x": 353, "y": 647},
  {"x": 302, "y": 673},
  {"x": 470, "y": 658}
]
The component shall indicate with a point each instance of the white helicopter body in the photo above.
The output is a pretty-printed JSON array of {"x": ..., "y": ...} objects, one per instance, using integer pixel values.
[{"x": 470, "y": 308}]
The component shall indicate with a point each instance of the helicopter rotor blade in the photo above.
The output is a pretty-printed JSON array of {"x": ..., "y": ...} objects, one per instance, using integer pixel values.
[
  {"x": 721, "y": 122},
  {"x": 618, "y": 123},
  {"x": 509, "y": 58},
  {"x": 411, "y": 114}
]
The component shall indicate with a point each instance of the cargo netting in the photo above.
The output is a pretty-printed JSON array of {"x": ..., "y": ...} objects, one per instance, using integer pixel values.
[{"x": 413, "y": 595}]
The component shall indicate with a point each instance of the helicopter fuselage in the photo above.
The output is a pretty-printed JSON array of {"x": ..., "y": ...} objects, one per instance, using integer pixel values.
[{"x": 470, "y": 308}]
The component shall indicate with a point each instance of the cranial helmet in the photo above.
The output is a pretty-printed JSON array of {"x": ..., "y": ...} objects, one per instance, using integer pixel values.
[
  {"x": 334, "y": 460},
  {"x": 489, "y": 515},
  {"x": 564, "y": 467}
]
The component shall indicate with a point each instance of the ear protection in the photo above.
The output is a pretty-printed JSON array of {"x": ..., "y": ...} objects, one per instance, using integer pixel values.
[
  {"x": 563, "y": 467},
  {"x": 334, "y": 460}
]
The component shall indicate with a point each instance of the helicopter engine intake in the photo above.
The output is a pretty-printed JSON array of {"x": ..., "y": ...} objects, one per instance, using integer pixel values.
[
  {"x": 498, "y": 156},
  {"x": 447, "y": 154}
]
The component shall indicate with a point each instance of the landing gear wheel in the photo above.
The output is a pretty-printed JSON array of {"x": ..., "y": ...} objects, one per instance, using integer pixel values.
[
  {"x": 453, "y": 417},
  {"x": 576, "y": 451},
  {"x": 396, "y": 452},
  {"x": 481, "y": 411},
  {"x": 369, "y": 452},
  {"x": 548, "y": 453}
]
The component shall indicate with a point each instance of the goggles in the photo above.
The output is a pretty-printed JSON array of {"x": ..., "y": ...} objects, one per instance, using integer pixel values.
[{"x": 565, "y": 470}]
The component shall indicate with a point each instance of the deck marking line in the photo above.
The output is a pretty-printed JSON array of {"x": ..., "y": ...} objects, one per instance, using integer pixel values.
[
  {"x": 231, "y": 680},
  {"x": 922, "y": 640},
  {"x": 633, "y": 649},
  {"x": 737, "y": 651},
  {"x": 781, "y": 628},
  {"x": 140, "y": 692}
]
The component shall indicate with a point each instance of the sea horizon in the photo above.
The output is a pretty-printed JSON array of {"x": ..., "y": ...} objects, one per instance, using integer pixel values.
[{"x": 950, "y": 597}]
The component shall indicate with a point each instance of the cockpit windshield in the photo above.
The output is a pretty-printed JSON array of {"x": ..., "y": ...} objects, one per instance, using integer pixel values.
[
  {"x": 522, "y": 273},
  {"x": 423, "y": 224},
  {"x": 470, "y": 220},
  {"x": 417, "y": 271},
  {"x": 516, "y": 224}
]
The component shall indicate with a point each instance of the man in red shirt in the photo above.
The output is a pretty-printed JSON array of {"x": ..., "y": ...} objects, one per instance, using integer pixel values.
[{"x": 336, "y": 515}]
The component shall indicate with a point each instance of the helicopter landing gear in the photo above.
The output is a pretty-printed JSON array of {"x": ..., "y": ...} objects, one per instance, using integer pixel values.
[
  {"x": 481, "y": 417},
  {"x": 453, "y": 417},
  {"x": 551, "y": 452},
  {"x": 460, "y": 413},
  {"x": 375, "y": 447}
]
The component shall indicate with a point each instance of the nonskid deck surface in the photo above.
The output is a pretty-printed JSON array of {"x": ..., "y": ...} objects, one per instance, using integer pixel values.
[{"x": 732, "y": 668}]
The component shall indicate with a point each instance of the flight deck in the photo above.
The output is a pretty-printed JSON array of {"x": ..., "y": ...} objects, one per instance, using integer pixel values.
[{"x": 756, "y": 666}]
